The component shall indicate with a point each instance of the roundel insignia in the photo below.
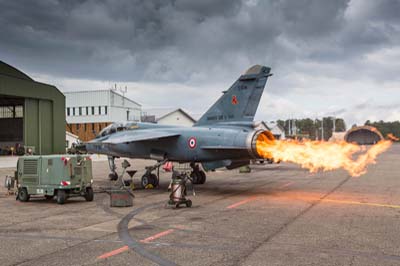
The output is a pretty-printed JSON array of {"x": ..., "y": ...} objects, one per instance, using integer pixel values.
[
  {"x": 192, "y": 142},
  {"x": 234, "y": 100}
]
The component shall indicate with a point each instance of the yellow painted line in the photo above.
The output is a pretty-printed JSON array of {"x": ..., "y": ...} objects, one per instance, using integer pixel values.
[{"x": 362, "y": 203}]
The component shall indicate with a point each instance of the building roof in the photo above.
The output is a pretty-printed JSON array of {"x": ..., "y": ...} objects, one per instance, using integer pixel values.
[
  {"x": 177, "y": 110},
  {"x": 6, "y": 69},
  {"x": 112, "y": 91},
  {"x": 71, "y": 135}
]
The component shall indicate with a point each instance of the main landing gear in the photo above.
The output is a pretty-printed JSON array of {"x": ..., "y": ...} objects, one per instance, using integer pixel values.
[
  {"x": 149, "y": 178},
  {"x": 198, "y": 176}
]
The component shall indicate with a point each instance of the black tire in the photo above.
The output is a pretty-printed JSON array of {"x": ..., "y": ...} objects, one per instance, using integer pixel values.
[
  {"x": 48, "y": 197},
  {"x": 195, "y": 177},
  {"x": 23, "y": 195},
  {"x": 149, "y": 180},
  {"x": 113, "y": 176},
  {"x": 203, "y": 177},
  {"x": 89, "y": 195},
  {"x": 61, "y": 196},
  {"x": 153, "y": 180},
  {"x": 189, "y": 203},
  {"x": 144, "y": 181}
]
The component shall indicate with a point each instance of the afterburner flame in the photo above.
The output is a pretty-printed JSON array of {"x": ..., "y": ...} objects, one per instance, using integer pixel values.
[
  {"x": 392, "y": 137},
  {"x": 321, "y": 155}
]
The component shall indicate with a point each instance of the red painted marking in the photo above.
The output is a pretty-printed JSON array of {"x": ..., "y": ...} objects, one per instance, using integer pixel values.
[
  {"x": 286, "y": 185},
  {"x": 234, "y": 100},
  {"x": 126, "y": 248},
  {"x": 237, "y": 204},
  {"x": 113, "y": 253},
  {"x": 151, "y": 238}
]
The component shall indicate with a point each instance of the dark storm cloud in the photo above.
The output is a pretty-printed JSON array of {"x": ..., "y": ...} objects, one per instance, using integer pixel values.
[{"x": 190, "y": 41}]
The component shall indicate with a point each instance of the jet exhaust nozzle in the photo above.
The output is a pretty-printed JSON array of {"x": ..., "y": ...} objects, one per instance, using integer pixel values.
[{"x": 259, "y": 141}]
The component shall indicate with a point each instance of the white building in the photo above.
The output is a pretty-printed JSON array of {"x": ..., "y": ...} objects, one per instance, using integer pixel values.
[
  {"x": 70, "y": 139},
  {"x": 163, "y": 116},
  {"x": 90, "y": 111},
  {"x": 276, "y": 130}
]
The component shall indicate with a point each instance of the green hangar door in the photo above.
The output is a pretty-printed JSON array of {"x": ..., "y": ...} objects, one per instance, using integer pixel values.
[
  {"x": 32, "y": 114},
  {"x": 11, "y": 124},
  {"x": 38, "y": 131}
]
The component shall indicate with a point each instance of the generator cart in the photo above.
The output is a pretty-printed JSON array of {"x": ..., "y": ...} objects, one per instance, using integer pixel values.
[{"x": 61, "y": 176}]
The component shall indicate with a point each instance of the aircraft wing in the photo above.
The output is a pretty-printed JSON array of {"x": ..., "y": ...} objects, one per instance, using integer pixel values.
[{"x": 141, "y": 136}]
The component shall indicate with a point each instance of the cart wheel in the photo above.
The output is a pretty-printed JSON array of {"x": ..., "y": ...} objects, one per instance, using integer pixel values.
[
  {"x": 23, "y": 195},
  {"x": 189, "y": 203},
  {"x": 49, "y": 197},
  {"x": 61, "y": 196},
  {"x": 89, "y": 194}
]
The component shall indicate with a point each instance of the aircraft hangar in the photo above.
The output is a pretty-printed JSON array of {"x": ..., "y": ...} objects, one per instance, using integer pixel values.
[{"x": 32, "y": 114}]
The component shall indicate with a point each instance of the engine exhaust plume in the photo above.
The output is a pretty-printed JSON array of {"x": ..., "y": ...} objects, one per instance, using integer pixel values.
[
  {"x": 392, "y": 137},
  {"x": 321, "y": 155}
]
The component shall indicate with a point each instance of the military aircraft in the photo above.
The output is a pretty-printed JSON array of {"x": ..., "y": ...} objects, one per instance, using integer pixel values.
[{"x": 225, "y": 136}]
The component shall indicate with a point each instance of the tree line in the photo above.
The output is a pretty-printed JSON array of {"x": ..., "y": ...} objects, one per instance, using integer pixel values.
[
  {"x": 317, "y": 129},
  {"x": 386, "y": 127}
]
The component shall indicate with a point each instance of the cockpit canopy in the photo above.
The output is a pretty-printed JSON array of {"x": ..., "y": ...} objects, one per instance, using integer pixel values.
[{"x": 117, "y": 127}]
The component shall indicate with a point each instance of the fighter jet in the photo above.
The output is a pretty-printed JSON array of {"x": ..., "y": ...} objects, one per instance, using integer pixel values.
[{"x": 225, "y": 136}]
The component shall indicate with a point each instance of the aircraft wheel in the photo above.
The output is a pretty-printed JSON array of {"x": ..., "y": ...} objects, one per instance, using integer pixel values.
[
  {"x": 149, "y": 179},
  {"x": 113, "y": 176},
  {"x": 145, "y": 181},
  {"x": 188, "y": 203},
  {"x": 195, "y": 177},
  {"x": 202, "y": 178},
  {"x": 153, "y": 180}
]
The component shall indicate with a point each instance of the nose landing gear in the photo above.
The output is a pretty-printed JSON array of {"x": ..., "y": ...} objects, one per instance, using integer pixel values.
[{"x": 113, "y": 176}]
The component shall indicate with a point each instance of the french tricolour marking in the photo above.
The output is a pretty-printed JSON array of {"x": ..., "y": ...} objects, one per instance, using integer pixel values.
[{"x": 192, "y": 142}]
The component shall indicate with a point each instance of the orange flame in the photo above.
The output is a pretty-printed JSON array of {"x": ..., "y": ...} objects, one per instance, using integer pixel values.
[
  {"x": 392, "y": 137},
  {"x": 321, "y": 155}
]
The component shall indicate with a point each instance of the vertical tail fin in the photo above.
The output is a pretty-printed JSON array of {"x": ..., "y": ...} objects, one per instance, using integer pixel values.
[{"x": 240, "y": 102}]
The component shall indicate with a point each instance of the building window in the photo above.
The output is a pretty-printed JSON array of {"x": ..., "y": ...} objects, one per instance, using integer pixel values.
[
  {"x": 93, "y": 127},
  {"x": 77, "y": 126},
  {"x": 11, "y": 112},
  {"x": 84, "y": 126},
  {"x": 99, "y": 110},
  {"x": 80, "y": 110},
  {"x": 73, "y": 111},
  {"x": 105, "y": 109},
  {"x": 68, "y": 112},
  {"x": 92, "y": 110},
  {"x": 87, "y": 110}
]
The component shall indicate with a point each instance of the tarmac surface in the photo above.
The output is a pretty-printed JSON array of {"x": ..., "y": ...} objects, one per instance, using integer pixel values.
[{"x": 275, "y": 215}]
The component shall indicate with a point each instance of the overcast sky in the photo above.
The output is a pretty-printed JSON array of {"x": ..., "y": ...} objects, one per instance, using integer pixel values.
[{"x": 328, "y": 57}]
